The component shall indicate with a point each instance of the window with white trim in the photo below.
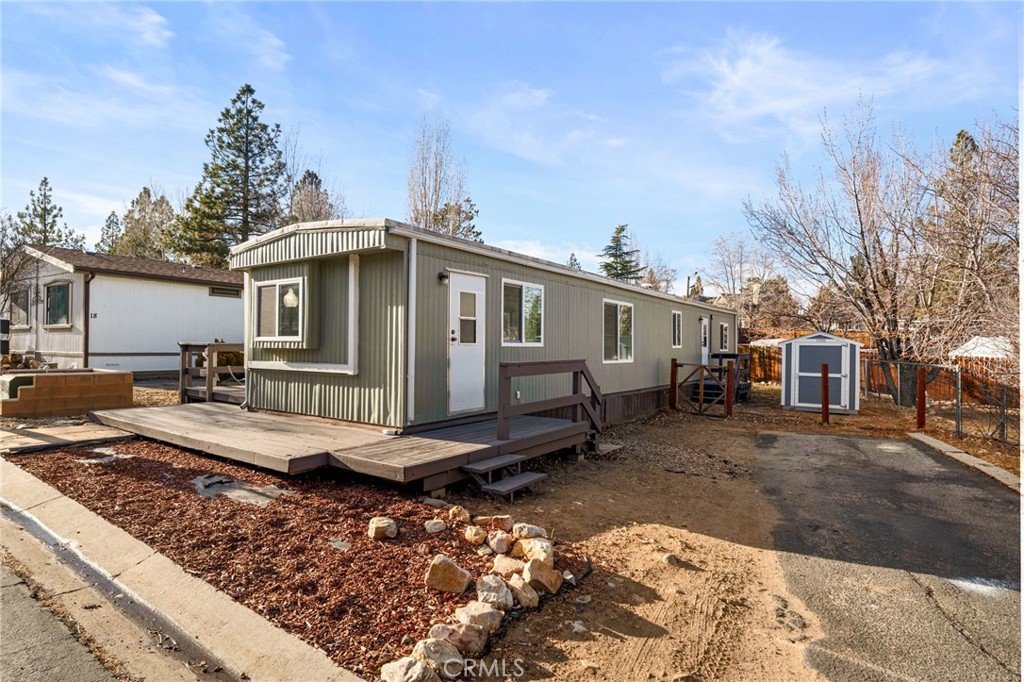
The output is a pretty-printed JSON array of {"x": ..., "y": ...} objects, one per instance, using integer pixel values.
[
  {"x": 19, "y": 308},
  {"x": 279, "y": 310},
  {"x": 58, "y": 304},
  {"x": 677, "y": 329},
  {"x": 618, "y": 331},
  {"x": 723, "y": 330},
  {"x": 522, "y": 313}
]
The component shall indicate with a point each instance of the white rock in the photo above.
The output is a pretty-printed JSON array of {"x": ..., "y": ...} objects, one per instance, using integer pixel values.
[
  {"x": 499, "y": 541},
  {"x": 441, "y": 655},
  {"x": 576, "y": 625},
  {"x": 522, "y": 531},
  {"x": 471, "y": 640},
  {"x": 491, "y": 589},
  {"x": 538, "y": 548},
  {"x": 434, "y": 526},
  {"x": 525, "y": 595},
  {"x": 479, "y": 613},
  {"x": 475, "y": 535},
  {"x": 381, "y": 527},
  {"x": 484, "y": 550},
  {"x": 407, "y": 670},
  {"x": 505, "y": 566}
]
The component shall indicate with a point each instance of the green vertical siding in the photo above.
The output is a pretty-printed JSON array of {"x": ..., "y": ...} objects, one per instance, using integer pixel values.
[
  {"x": 376, "y": 394},
  {"x": 572, "y": 329}
]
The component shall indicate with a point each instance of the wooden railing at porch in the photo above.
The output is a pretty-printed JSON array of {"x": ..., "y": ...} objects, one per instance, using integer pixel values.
[
  {"x": 210, "y": 373},
  {"x": 721, "y": 379},
  {"x": 591, "y": 406}
]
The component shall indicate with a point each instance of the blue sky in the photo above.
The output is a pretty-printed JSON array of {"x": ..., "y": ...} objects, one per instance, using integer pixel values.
[{"x": 572, "y": 117}]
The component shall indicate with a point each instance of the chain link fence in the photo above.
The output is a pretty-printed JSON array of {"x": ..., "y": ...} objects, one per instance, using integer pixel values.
[{"x": 978, "y": 401}]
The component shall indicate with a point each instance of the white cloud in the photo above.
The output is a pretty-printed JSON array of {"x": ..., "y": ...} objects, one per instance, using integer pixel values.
[
  {"x": 241, "y": 31},
  {"x": 754, "y": 84},
  {"x": 137, "y": 23},
  {"x": 527, "y": 121},
  {"x": 556, "y": 252}
]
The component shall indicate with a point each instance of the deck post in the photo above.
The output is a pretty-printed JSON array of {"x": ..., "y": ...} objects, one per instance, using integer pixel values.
[
  {"x": 504, "y": 399},
  {"x": 824, "y": 393},
  {"x": 922, "y": 377},
  {"x": 730, "y": 388},
  {"x": 673, "y": 387},
  {"x": 577, "y": 389},
  {"x": 211, "y": 371},
  {"x": 183, "y": 378},
  {"x": 700, "y": 378}
]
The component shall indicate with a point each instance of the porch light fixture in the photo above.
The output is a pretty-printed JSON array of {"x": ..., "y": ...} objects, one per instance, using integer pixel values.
[{"x": 442, "y": 277}]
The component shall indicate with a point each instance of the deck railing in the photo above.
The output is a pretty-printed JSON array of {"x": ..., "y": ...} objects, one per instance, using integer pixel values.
[
  {"x": 581, "y": 404},
  {"x": 211, "y": 372},
  {"x": 721, "y": 380}
]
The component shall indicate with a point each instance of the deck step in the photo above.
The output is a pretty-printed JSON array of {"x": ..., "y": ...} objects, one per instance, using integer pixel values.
[
  {"x": 492, "y": 464},
  {"x": 507, "y": 486}
]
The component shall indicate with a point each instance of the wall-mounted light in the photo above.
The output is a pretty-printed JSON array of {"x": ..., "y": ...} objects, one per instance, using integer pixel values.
[{"x": 442, "y": 277}]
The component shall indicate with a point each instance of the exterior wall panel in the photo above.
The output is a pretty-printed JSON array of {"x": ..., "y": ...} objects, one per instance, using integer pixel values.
[{"x": 61, "y": 345}]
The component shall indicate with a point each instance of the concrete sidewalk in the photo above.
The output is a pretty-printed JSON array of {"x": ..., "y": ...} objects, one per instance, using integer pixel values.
[{"x": 241, "y": 640}]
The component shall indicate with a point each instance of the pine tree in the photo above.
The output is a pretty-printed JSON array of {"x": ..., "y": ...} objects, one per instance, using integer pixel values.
[
  {"x": 619, "y": 261},
  {"x": 311, "y": 202},
  {"x": 456, "y": 219},
  {"x": 40, "y": 223},
  {"x": 243, "y": 186},
  {"x": 147, "y": 222},
  {"x": 574, "y": 262},
  {"x": 110, "y": 234}
]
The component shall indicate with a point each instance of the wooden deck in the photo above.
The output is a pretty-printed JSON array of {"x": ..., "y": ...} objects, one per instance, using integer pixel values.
[{"x": 294, "y": 444}]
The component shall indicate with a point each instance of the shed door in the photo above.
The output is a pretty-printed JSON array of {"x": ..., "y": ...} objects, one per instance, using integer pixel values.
[
  {"x": 466, "y": 348},
  {"x": 807, "y": 361}
]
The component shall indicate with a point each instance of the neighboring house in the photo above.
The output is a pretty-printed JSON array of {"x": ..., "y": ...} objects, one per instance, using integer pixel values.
[
  {"x": 986, "y": 347},
  {"x": 81, "y": 309},
  {"x": 378, "y": 322}
]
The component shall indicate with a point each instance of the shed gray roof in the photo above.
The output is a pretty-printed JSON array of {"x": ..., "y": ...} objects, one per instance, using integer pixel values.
[{"x": 144, "y": 268}]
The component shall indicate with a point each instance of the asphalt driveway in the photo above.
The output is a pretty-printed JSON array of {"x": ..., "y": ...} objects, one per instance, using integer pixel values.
[{"x": 910, "y": 560}]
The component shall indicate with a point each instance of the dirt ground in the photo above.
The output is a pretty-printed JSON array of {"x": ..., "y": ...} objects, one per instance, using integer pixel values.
[{"x": 717, "y": 609}]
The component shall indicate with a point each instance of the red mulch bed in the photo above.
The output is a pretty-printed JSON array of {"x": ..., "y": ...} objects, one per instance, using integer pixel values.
[{"x": 357, "y": 605}]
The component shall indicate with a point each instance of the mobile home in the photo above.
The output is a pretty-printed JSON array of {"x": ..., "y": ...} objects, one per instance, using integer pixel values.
[
  {"x": 77, "y": 310},
  {"x": 378, "y": 322}
]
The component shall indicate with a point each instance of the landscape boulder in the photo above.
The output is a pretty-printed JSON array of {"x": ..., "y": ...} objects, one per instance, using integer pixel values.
[
  {"x": 537, "y": 548},
  {"x": 504, "y": 523},
  {"x": 434, "y": 526},
  {"x": 542, "y": 577},
  {"x": 458, "y": 513},
  {"x": 469, "y": 639},
  {"x": 382, "y": 527},
  {"x": 491, "y": 589},
  {"x": 522, "y": 531},
  {"x": 408, "y": 669},
  {"x": 440, "y": 655},
  {"x": 505, "y": 566},
  {"x": 479, "y": 613},
  {"x": 475, "y": 535},
  {"x": 447, "y": 576},
  {"x": 499, "y": 541},
  {"x": 525, "y": 595}
]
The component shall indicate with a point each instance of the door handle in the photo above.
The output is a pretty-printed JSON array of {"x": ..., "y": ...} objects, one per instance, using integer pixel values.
[{"x": 454, "y": 338}]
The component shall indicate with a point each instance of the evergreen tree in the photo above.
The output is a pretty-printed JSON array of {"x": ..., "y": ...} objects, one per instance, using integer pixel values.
[
  {"x": 311, "y": 202},
  {"x": 243, "y": 186},
  {"x": 574, "y": 262},
  {"x": 147, "y": 222},
  {"x": 619, "y": 260},
  {"x": 456, "y": 219},
  {"x": 40, "y": 223},
  {"x": 110, "y": 234}
]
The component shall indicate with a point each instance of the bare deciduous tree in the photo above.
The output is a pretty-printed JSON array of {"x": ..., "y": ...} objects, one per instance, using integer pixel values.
[{"x": 437, "y": 182}]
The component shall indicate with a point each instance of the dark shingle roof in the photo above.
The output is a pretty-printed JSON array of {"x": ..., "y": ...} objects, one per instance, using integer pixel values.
[{"x": 140, "y": 267}]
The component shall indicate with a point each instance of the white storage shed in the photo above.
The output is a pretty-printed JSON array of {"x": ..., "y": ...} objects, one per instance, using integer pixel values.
[{"x": 802, "y": 359}]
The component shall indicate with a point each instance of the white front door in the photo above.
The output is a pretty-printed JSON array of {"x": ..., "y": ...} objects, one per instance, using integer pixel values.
[
  {"x": 466, "y": 334},
  {"x": 705, "y": 341}
]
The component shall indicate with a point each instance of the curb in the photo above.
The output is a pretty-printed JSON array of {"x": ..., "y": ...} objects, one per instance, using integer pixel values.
[
  {"x": 970, "y": 461},
  {"x": 247, "y": 643}
]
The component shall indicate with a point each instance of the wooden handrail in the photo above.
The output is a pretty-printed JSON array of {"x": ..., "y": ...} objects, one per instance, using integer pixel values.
[
  {"x": 576, "y": 399},
  {"x": 211, "y": 372}
]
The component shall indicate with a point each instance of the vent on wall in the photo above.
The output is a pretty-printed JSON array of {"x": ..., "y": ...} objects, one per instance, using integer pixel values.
[{"x": 227, "y": 292}]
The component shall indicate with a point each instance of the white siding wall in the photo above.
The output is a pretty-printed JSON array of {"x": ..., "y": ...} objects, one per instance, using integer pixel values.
[
  {"x": 150, "y": 316},
  {"x": 60, "y": 345}
]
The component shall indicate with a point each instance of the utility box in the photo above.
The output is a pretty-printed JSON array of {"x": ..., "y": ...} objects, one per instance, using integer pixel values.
[{"x": 802, "y": 359}]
